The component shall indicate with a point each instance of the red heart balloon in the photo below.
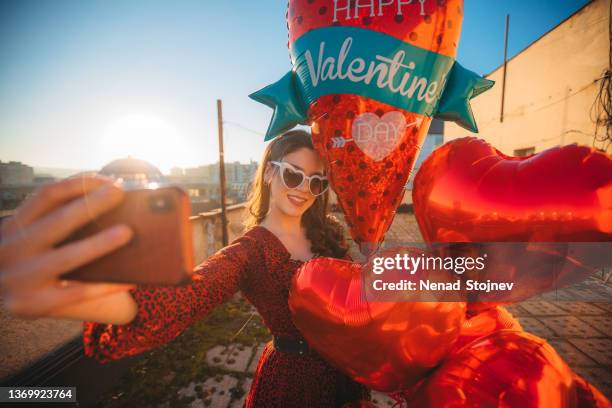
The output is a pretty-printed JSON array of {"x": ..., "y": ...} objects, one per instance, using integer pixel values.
[
  {"x": 555, "y": 207},
  {"x": 387, "y": 346},
  {"x": 468, "y": 191},
  {"x": 370, "y": 147},
  {"x": 506, "y": 369}
]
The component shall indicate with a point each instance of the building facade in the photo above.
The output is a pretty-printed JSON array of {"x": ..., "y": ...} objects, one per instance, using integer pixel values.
[
  {"x": 550, "y": 88},
  {"x": 16, "y": 174}
]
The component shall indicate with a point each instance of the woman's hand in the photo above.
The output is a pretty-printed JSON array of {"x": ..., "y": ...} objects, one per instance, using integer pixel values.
[{"x": 30, "y": 265}]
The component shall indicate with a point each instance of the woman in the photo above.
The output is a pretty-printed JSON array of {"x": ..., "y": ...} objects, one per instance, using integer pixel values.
[{"x": 287, "y": 226}]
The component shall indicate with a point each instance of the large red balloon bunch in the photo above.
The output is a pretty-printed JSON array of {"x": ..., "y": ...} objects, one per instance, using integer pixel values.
[
  {"x": 449, "y": 354},
  {"x": 368, "y": 77}
]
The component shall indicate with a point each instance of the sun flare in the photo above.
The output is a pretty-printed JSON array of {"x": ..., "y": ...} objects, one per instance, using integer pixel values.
[{"x": 143, "y": 136}]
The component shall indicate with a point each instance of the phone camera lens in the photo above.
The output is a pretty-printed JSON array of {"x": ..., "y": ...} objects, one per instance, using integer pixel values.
[{"x": 159, "y": 203}]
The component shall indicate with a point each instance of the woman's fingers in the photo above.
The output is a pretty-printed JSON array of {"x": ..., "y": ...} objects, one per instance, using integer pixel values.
[
  {"x": 49, "y": 197},
  {"x": 55, "y": 299},
  {"x": 30, "y": 265},
  {"x": 57, "y": 225},
  {"x": 48, "y": 266},
  {"x": 109, "y": 303}
]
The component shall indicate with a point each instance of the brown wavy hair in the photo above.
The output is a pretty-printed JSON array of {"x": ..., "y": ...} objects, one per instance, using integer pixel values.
[{"x": 323, "y": 230}]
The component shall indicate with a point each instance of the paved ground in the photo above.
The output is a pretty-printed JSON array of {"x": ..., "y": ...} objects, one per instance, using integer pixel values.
[
  {"x": 24, "y": 341},
  {"x": 229, "y": 390}
]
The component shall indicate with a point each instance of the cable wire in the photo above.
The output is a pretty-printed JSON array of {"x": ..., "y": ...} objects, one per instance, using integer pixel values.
[{"x": 601, "y": 110}]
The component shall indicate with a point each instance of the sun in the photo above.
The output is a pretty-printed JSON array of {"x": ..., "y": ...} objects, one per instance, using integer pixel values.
[{"x": 143, "y": 136}]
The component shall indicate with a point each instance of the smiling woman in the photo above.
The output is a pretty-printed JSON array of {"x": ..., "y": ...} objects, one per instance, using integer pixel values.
[
  {"x": 145, "y": 136},
  {"x": 287, "y": 224}
]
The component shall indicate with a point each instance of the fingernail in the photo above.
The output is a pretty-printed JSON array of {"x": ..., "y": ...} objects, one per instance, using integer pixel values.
[{"x": 117, "y": 183}]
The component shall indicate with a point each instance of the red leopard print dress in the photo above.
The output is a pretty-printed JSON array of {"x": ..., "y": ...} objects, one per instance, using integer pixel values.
[{"x": 259, "y": 265}]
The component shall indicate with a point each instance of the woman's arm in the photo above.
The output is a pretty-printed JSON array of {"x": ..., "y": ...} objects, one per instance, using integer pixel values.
[{"x": 163, "y": 312}]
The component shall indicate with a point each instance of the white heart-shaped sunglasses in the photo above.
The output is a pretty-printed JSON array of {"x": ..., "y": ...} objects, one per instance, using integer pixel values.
[{"x": 293, "y": 178}]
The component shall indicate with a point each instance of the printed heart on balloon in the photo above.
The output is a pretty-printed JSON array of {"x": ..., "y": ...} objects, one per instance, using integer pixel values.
[
  {"x": 387, "y": 346},
  {"x": 376, "y": 136}
]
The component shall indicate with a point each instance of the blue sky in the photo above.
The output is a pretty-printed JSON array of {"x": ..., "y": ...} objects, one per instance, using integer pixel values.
[{"x": 83, "y": 82}]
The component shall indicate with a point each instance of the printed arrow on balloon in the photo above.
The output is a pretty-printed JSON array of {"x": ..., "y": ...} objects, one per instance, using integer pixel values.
[{"x": 339, "y": 142}]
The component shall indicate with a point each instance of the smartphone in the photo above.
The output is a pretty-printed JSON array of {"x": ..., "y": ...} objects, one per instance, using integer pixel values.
[{"x": 161, "y": 249}]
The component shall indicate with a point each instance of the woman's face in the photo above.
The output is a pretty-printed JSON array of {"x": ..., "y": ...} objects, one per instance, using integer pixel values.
[{"x": 294, "y": 202}]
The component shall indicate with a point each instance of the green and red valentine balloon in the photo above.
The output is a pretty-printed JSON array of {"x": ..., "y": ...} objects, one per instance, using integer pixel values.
[{"x": 368, "y": 77}]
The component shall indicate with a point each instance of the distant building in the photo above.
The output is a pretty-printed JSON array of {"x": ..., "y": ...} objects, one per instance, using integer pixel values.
[
  {"x": 202, "y": 183},
  {"x": 200, "y": 173},
  {"x": 550, "y": 88},
  {"x": 16, "y": 174},
  {"x": 236, "y": 173},
  {"x": 17, "y": 182},
  {"x": 133, "y": 170},
  {"x": 177, "y": 172},
  {"x": 239, "y": 173},
  {"x": 44, "y": 179}
]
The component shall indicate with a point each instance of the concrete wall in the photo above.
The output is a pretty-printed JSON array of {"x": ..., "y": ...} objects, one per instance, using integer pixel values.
[
  {"x": 550, "y": 87},
  {"x": 208, "y": 233}
]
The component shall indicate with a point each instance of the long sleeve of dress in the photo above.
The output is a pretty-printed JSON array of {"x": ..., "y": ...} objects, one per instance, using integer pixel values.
[{"x": 166, "y": 311}]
